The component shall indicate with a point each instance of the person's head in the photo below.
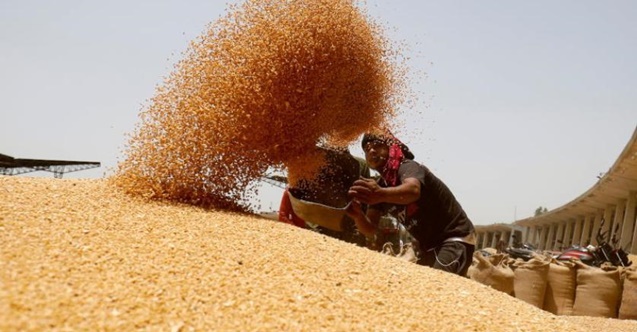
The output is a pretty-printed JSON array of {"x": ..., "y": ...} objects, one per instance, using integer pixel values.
[{"x": 377, "y": 149}]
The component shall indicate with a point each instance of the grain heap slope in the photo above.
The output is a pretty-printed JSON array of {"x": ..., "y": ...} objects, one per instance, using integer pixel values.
[{"x": 81, "y": 255}]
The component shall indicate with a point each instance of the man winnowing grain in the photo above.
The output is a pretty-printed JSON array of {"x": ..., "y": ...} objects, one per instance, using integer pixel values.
[{"x": 411, "y": 193}]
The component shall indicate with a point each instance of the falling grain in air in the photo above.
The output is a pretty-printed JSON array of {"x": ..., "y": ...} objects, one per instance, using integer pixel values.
[{"x": 258, "y": 89}]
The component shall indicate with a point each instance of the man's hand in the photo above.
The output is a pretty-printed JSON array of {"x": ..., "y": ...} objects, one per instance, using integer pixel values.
[
  {"x": 366, "y": 191},
  {"x": 369, "y": 192},
  {"x": 355, "y": 210}
]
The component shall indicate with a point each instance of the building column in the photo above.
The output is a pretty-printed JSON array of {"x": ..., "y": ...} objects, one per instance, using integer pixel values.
[
  {"x": 494, "y": 240},
  {"x": 555, "y": 229},
  {"x": 608, "y": 223},
  {"x": 477, "y": 234},
  {"x": 629, "y": 228},
  {"x": 499, "y": 238},
  {"x": 537, "y": 235},
  {"x": 527, "y": 234},
  {"x": 585, "y": 240},
  {"x": 543, "y": 235},
  {"x": 620, "y": 208},
  {"x": 550, "y": 240},
  {"x": 531, "y": 237},
  {"x": 596, "y": 224},
  {"x": 577, "y": 233},
  {"x": 567, "y": 239},
  {"x": 557, "y": 245}
]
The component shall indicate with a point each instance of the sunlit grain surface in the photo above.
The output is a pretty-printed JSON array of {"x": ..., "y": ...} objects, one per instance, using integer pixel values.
[{"x": 81, "y": 255}]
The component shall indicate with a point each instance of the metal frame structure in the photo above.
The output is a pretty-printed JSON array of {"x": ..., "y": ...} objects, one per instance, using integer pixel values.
[
  {"x": 15, "y": 166},
  {"x": 276, "y": 180}
]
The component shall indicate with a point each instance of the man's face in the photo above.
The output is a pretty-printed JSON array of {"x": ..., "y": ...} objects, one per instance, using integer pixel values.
[{"x": 376, "y": 154}]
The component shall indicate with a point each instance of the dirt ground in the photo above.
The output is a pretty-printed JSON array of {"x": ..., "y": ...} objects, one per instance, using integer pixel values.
[{"x": 80, "y": 255}]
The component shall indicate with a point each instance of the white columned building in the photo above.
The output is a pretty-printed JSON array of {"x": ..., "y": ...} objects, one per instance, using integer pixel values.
[{"x": 613, "y": 198}]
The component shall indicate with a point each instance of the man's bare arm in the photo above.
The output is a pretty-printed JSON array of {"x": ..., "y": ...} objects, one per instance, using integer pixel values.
[
  {"x": 369, "y": 192},
  {"x": 365, "y": 222}
]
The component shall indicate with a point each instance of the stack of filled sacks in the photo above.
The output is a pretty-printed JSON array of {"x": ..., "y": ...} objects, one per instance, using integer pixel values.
[{"x": 562, "y": 288}]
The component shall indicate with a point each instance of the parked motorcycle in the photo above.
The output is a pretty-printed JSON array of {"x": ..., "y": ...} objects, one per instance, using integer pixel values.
[
  {"x": 525, "y": 251},
  {"x": 602, "y": 253}
]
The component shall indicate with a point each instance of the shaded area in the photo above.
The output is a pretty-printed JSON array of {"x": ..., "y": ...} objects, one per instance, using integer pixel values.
[{"x": 14, "y": 166}]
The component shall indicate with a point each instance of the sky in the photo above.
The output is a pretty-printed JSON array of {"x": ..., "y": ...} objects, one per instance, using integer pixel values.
[{"x": 517, "y": 104}]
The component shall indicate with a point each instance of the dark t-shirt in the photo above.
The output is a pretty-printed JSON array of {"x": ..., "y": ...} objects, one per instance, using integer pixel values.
[{"x": 436, "y": 215}]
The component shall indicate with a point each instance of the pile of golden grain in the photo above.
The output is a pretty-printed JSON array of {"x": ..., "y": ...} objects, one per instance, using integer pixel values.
[
  {"x": 80, "y": 255},
  {"x": 259, "y": 89}
]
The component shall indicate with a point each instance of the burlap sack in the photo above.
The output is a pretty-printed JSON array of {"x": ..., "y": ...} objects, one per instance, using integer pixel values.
[
  {"x": 561, "y": 283},
  {"x": 493, "y": 272},
  {"x": 529, "y": 282},
  {"x": 597, "y": 292},
  {"x": 628, "y": 307}
]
